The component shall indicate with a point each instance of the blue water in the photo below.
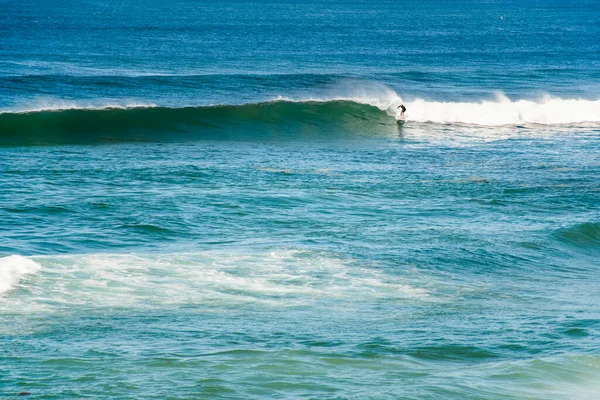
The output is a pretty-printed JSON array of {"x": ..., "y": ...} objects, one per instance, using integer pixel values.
[{"x": 214, "y": 200}]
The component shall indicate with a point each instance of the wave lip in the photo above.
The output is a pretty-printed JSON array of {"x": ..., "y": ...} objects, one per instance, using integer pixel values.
[{"x": 13, "y": 268}]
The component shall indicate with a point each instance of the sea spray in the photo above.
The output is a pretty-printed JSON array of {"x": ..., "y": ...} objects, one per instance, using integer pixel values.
[{"x": 13, "y": 269}]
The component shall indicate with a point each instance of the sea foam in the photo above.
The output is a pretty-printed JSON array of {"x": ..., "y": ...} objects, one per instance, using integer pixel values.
[
  {"x": 215, "y": 278},
  {"x": 13, "y": 268},
  {"x": 504, "y": 111}
]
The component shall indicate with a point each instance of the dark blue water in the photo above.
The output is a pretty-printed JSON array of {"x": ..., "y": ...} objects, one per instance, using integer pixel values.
[{"x": 215, "y": 200}]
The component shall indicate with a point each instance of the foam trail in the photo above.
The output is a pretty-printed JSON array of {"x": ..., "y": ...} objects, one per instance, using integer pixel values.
[
  {"x": 13, "y": 268},
  {"x": 217, "y": 278},
  {"x": 503, "y": 111}
]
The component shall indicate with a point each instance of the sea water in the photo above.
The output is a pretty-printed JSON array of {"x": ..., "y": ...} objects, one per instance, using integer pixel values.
[{"x": 214, "y": 200}]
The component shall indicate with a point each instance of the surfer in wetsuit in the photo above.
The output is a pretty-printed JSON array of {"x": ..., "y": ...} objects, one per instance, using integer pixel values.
[{"x": 400, "y": 117}]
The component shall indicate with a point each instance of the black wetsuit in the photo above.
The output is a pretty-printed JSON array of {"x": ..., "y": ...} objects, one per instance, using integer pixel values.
[{"x": 402, "y": 107}]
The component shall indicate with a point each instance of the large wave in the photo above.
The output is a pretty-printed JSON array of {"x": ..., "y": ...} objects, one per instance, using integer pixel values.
[
  {"x": 365, "y": 112},
  {"x": 273, "y": 118}
]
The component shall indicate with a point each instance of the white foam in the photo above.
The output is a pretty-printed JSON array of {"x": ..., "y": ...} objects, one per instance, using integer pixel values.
[
  {"x": 219, "y": 279},
  {"x": 503, "y": 111},
  {"x": 13, "y": 268}
]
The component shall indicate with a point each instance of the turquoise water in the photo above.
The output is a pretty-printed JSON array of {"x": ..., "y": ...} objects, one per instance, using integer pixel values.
[{"x": 215, "y": 200}]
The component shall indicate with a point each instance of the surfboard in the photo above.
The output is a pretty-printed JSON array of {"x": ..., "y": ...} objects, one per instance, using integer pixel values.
[{"x": 400, "y": 119}]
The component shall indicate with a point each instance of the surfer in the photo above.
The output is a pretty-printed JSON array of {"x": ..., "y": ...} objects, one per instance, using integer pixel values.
[
  {"x": 400, "y": 117},
  {"x": 403, "y": 109}
]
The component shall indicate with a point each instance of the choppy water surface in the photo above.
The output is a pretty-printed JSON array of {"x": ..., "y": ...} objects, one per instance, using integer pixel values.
[{"x": 219, "y": 203}]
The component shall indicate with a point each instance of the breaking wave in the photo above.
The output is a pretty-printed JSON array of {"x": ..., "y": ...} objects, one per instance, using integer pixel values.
[
  {"x": 363, "y": 113},
  {"x": 13, "y": 268}
]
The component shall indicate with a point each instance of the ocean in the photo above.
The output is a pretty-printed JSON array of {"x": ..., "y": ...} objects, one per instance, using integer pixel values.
[{"x": 213, "y": 200}]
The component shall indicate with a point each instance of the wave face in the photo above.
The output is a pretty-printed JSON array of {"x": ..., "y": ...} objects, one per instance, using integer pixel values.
[
  {"x": 584, "y": 236},
  {"x": 162, "y": 123},
  {"x": 363, "y": 113}
]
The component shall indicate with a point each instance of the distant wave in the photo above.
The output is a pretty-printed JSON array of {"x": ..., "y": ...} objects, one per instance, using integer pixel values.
[{"x": 358, "y": 112}]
